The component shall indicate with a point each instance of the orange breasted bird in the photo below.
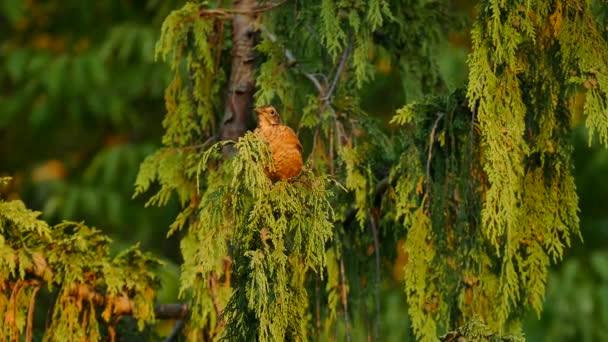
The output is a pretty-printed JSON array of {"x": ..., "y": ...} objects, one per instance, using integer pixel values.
[{"x": 284, "y": 144}]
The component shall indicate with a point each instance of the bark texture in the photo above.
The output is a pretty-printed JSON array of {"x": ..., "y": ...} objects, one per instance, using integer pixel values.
[{"x": 241, "y": 86}]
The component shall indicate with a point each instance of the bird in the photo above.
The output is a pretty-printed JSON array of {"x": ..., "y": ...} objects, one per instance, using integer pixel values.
[{"x": 285, "y": 147}]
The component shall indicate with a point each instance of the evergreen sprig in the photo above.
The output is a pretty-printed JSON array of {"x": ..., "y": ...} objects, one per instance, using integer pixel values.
[{"x": 73, "y": 260}]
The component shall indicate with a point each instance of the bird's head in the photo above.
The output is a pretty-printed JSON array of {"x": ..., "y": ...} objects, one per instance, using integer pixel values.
[{"x": 268, "y": 115}]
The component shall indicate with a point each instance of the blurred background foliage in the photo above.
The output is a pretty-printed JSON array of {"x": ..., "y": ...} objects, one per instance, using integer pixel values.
[{"x": 81, "y": 105}]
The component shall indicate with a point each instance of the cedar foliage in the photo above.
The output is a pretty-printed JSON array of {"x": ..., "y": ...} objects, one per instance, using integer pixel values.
[
  {"x": 477, "y": 181},
  {"x": 73, "y": 261}
]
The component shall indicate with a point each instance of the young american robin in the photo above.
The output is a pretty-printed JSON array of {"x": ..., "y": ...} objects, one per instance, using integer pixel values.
[{"x": 284, "y": 144}]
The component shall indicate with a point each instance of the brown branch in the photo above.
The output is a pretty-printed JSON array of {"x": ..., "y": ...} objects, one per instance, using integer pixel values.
[
  {"x": 373, "y": 220},
  {"x": 171, "y": 311},
  {"x": 122, "y": 305},
  {"x": 430, "y": 154},
  {"x": 344, "y": 297},
  {"x": 318, "y": 308},
  {"x": 30, "y": 315},
  {"x": 226, "y": 13}
]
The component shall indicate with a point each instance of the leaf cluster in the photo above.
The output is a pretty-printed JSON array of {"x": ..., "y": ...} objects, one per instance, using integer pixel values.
[{"x": 74, "y": 262}]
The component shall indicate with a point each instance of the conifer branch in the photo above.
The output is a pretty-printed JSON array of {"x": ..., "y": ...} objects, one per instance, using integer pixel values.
[
  {"x": 344, "y": 297},
  {"x": 373, "y": 217},
  {"x": 30, "y": 314},
  {"x": 318, "y": 307},
  {"x": 430, "y": 153}
]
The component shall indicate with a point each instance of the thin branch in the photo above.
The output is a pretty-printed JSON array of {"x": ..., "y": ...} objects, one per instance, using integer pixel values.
[
  {"x": 430, "y": 153},
  {"x": 339, "y": 71},
  {"x": 379, "y": 190},
  {"x": 344, "y": 298},
  {"x": 216, "y": 300},
  {"x": 30, "y": 315},
  {"x": 318, "y": 307},
  {"x": 331, "y": 150},
  {"x": 203, "y": 145},
  {"x": 314, "y": 81},
  {"x": 472, "y": 131},
  {"x": 226, "y": 12},
  {"x": 374, "y": 225},
  {"x": 179, "y": 324},
  {"x": 292, "y": 61}
]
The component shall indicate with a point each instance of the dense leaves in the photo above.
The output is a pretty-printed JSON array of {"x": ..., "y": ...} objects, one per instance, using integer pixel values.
[
  {"x": 74, "y": 261},
  {"x": 464, "y": 201}
]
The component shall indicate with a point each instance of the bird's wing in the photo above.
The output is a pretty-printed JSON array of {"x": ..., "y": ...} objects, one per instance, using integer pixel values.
[{"x": 290, "y": 137}]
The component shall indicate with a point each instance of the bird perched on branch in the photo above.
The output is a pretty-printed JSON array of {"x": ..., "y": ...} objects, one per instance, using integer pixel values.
[{"x": 284, "y": 144}]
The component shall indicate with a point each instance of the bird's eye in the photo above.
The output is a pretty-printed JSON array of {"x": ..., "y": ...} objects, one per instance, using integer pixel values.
[{"x": 273, "y": 112}]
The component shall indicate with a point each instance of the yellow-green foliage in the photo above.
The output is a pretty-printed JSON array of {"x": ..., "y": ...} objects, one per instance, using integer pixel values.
[
  {"x": 488, "y": 196},
  {"x": 73, "y": 260},
  {"x": 273, "y": 235},
  {"x": 476, "y": 330},
  {"x": 277, "y": 234},
  {"x": 451, "y": 274},
  {"x": 528, "y": 59},
  {"x": 449, "y": 262},
  {"x": 189, "y": 98}
]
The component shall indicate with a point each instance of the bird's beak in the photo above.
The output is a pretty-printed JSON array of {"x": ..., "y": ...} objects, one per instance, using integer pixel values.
[{"x": 258, "y": 110}]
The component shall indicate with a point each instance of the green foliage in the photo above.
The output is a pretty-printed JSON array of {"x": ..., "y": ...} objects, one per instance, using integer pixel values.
[
  {"x": 439, "y": 203},
  {"x": 276, "y": 234},
  {"x": 82, "y": 106},
  {"x": 525, "y": 67},
  {"x": 415, "y": 36},
  {"x": 190, "y": 107},
  {"x": 476, "y": 330},
  {"x": 73, "y": 260},
  {"x": 270, "y": 237}
]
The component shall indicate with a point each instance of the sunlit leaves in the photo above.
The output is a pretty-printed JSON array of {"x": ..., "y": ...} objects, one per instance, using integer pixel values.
[
  {"x": 74, "y": 259},
  {"x": 278, "y": 231}
]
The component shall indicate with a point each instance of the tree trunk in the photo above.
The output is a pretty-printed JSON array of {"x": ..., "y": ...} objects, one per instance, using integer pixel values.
[{"x": 241, "y": 86}]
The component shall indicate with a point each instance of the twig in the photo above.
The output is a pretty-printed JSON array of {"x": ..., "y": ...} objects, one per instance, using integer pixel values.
[
  {"x": 292, "y": 61},
  {"x": 368, "y": 328},
  {"x": 314, "y": 81},
  {"x": 344, "y": 299},
  {"x": 472, "y": 131},
  {"x": 331, "y": 150},
  {"x": 341, "y": 65},
  {"x": 430, "y": 154},
  {"x": 225, "y": 13},
  {"x": 373, "y": 223},
  {"x": 318, "y": 307},
  {"x": 179, "y": 324},
  {"x": 378, "y": 192},
  {"x": 30, "y": 315},
  {"x": 197, "y": 146},
  {"x": 216, "y": 299}
]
